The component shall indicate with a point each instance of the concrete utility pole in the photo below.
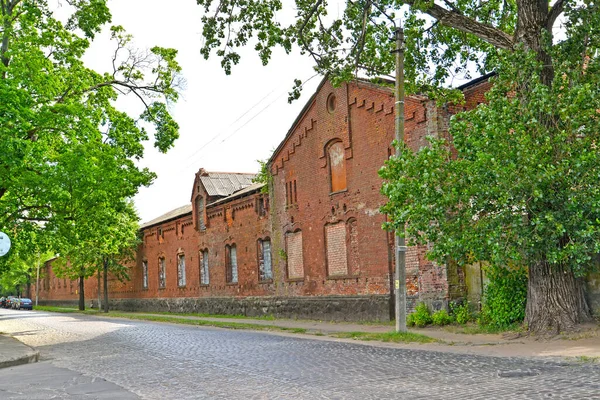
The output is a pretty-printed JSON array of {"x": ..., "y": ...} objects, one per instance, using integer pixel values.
[{"x": 400, "y": 275}]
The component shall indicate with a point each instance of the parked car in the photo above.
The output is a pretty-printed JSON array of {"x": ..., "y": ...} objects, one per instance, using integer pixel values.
[
  {"x": 2, "y": 301},
  {"x": 24, "y": 304}
]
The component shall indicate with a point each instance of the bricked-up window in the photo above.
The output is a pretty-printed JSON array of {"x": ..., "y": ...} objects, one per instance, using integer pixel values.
[
  {"x": 180, "y": 270},
  {"x": 231, "y": 263},
  {"x": 337, "y": 166},
  {"x": 204, "y": 276},
  {"x": 162, "y": 278},
  {"x": 145, "y": 274},
  {"x": 265, "y": 268},
  {"x": 291, "y": 195},
  {"x": 295, "y": 260},
  {"x": 352, "y": 240},
  {"x": 335, "y": 239},
  {"x": 200, "y": 213}
]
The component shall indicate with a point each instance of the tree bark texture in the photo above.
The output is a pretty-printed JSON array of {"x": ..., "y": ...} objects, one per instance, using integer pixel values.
[
  {"x": 555, "y": 299},
  {"x": 81, "y": 293},
  {"x": 105, "y": 284}
]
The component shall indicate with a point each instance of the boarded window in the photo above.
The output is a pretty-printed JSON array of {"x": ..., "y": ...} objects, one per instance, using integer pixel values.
[
  {"x": 265, "y": 269},
  {"x": 145, "y": 274},
  {"x": 231, "y": 264},
  {"x": 180, "y": 270},
  {"x": 200, "y": 213},
  {"x": 337, "y": 166},
  {"x": 204, "y": 276},
  {"x": 335, "y": 238},
  {"x": 162, "y": 281},
  {"x": 295, "y": 261}
]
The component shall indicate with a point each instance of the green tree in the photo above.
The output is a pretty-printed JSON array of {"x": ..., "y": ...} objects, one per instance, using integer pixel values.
[
  {"x": 523, "y": 189},
  {"x": 58, "y": 118}
]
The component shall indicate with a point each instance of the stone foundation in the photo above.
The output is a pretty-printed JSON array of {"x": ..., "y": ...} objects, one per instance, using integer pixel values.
[{"x": 330, "y": 308}]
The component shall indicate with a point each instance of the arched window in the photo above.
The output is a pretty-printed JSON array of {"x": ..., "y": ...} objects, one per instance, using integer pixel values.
[
  {"x": 231, "y": 264},
  {"x": 200, "y": 213},
  {"x": 162, "y": 273},
  {"x": 337, "y": 166},
  {"x": 204, "y": 275},
  {"x": 145, "y": 274},
  {"x": 180, "y": 269},
  {"x": 265, "y": 268}
]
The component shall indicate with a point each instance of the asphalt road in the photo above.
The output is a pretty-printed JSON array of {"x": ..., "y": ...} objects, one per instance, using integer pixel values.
[{"x": 165, "y": 361}]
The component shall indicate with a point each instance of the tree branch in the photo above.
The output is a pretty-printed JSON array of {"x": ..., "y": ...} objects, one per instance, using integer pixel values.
[
  {"x": 554, "y": 13},
  {"x": 453, "y": 19}
]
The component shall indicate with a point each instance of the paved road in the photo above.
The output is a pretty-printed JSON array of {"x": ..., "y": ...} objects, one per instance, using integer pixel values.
[{"x": 164, "y": 361}]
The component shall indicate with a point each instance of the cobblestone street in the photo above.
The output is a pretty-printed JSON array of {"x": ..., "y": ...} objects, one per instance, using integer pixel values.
[{"x": 164, "y": 361}]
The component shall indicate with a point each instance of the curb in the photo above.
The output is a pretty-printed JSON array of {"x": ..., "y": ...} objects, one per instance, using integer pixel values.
[{"x": 29, "y": 356}]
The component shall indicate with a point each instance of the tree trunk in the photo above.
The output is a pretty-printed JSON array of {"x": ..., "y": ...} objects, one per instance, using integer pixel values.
[
  {"x": 99, "y": 288},
  {"x": 555, "y": 299},
  {"x": 81, "y": 293},
  {"x": 106, "y": 285}
]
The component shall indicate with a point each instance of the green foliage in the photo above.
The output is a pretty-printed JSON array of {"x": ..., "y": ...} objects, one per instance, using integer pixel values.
[
  {"x": 504, "y": 297},
  {"x": 441, "y": 318},
  {"x": 264, "y": 176},
  {"x": 66, "y": 151},
  {"x": 421, "y": 317},
  {"x": 462, "y": 312}
]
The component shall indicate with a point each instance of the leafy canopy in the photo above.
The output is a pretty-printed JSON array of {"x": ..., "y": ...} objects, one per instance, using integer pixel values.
[{"x": 65, "y": 145}]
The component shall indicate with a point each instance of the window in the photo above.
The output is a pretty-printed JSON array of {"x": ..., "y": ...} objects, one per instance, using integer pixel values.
[
  {"x": 265, "y": 269},
  {"x": 145, "y": 274},
  {"x": 231, "y": 264},
  {"x": 295, "y": 261},
  {"x": 200, "y": 213},
  {"x": 181, "y": 270},
  {"x": 331, "y": 103},
  {"x": 204, "y": 276},
  {"x": 162, "y": 281},
  {"x": 337, "y": 166},
  {"x": 335, "y": 239}
]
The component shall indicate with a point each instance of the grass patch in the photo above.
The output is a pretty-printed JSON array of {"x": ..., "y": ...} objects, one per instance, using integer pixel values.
[
  {"x": 476, "y": 329},
  {"x": 203, "y": 315},
  {"x": 588, "y": 359},
  {"x": 394, "y": 337},
  {"x": 174, "y": 319}
]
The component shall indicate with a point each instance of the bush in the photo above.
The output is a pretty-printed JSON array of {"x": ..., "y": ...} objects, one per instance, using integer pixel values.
[
  {"x": 441, "y": 318},
  {"x": 420, "y": 318},
  {"x": 504, "y": 297},
  {"x": 462, "y": 312}
]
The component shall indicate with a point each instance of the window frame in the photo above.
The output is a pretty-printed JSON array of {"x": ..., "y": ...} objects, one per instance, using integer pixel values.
[
  {"x": 230, "y": 262},
  {"x": 204, "y": 268},
  {"x": 162, "y": 272},
  {"x": 262, "y": 276},
  {"x": 181, "y": 278}
]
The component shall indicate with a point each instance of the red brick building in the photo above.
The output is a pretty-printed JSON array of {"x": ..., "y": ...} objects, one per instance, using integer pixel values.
[{"x": 314, "y": 245}]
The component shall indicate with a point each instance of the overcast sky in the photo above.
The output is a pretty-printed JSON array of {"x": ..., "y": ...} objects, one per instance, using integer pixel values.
[{"x": 226, "y": 122}]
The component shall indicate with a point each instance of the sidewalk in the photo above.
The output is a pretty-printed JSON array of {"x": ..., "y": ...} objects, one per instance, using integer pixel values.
[{"x": 13, "y": 352}]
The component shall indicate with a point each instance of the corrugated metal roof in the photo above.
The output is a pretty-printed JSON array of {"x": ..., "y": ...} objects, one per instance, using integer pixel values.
[
  {"x": 239, "y": 193},
  {"x": 170, "y": 215},
  {"x": 225, "y": 183}
]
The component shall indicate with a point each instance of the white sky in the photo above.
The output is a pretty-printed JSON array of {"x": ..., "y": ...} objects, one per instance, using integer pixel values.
[{"x": 212, "y": 102}]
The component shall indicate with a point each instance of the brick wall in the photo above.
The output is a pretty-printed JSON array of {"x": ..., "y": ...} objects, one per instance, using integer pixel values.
[{"x": 326, "y": 236}]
